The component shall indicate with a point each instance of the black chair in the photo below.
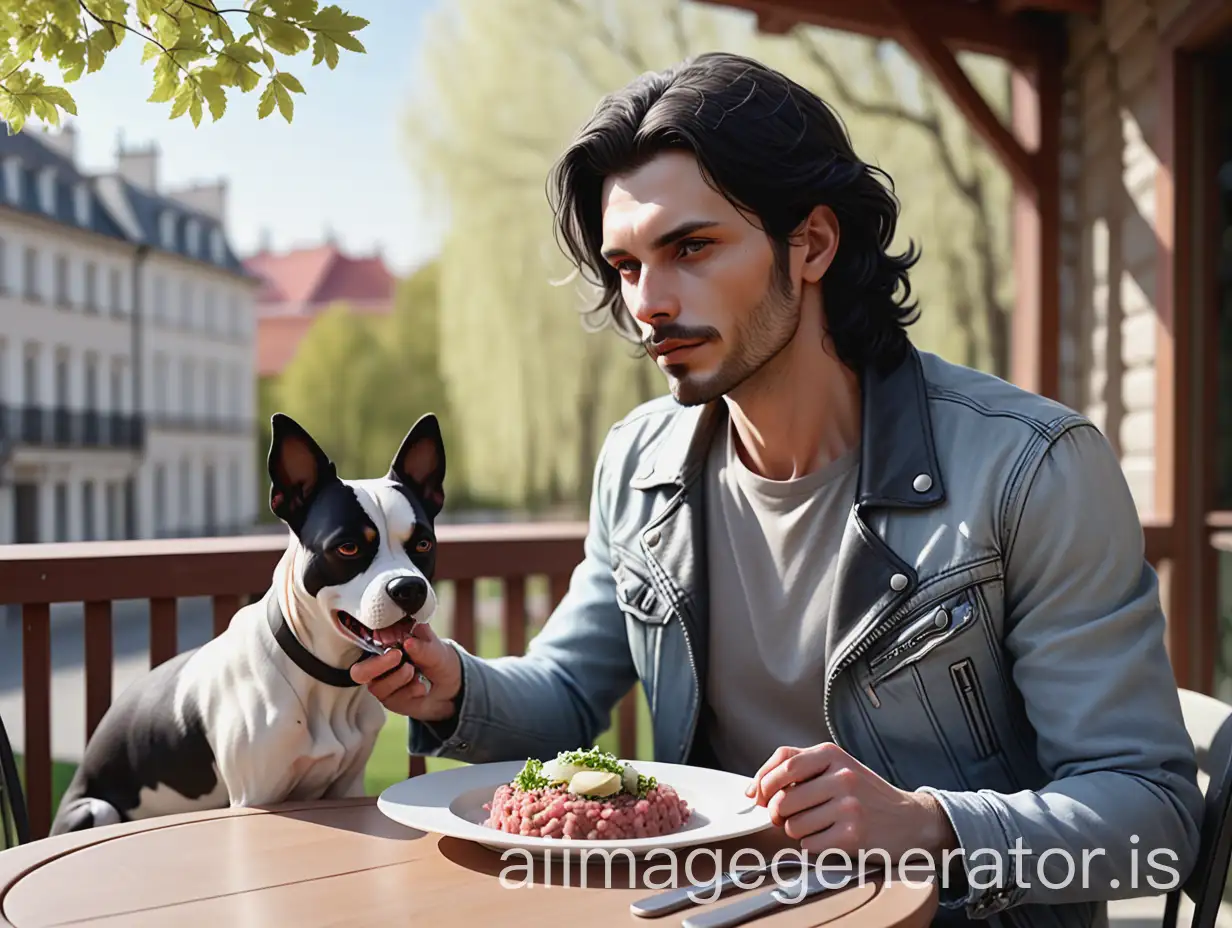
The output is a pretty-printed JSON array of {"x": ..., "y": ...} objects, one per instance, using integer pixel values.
[
  {"x": 14, "y": 820},
  {"x": 1209, "y": 722}
]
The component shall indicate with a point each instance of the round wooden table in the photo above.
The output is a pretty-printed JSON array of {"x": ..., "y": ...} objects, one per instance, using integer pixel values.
[{"x": 345, "y": 863}]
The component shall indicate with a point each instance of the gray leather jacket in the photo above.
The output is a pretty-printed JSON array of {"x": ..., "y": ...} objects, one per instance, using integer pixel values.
[{"x": 996, "y": 638}]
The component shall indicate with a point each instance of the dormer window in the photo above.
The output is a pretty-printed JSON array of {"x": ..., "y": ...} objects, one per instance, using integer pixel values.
[
  {"x": 47, "y": 191},
  {"x": 192, "y": 237},
  {"x": 166, "y": 230},
  {"x": 217, "y": 248},
  {"x": 81, "y": 204},
  {"x": 12, "y": 180}
]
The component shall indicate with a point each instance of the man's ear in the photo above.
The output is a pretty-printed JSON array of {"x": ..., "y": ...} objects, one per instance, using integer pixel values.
[
  {"x": 298, "y": 469},
  {"x": 420, "y": 463}
]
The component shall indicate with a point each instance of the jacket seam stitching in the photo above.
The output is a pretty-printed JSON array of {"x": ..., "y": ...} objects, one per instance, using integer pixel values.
[{"x": 1028, "y": 482}]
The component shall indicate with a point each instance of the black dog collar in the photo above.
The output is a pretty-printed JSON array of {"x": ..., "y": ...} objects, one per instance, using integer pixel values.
[{"x": 308, "y": 662}]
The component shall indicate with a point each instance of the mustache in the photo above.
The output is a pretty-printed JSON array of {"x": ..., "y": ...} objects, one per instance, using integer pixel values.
[{"x": 675, "y": 332}]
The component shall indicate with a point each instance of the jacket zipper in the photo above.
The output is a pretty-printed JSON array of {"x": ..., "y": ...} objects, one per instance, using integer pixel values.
[
  {"x": 967, "y": 685},
  {"x": 856, "y": 652}
]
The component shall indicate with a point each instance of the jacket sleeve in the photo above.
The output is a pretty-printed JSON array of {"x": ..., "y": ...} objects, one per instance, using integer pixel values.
[
  {"x": 560, "y": 694},
  {"x": 1085, "y": 632}
]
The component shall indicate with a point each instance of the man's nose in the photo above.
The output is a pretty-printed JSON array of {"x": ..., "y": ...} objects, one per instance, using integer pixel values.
[
  {"x": 655, "y": 302},
  {"x": 408, "y": 592}
]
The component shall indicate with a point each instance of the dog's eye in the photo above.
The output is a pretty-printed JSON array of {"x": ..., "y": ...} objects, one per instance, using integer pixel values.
[
  {"x": 423, "y": 546},
  {"x": 349, "y": 549}
]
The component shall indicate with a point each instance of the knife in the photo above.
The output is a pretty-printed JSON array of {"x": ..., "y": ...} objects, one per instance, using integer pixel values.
[
  {"x": 754, "y": 906},
  {"x": 674, "y": 900}
]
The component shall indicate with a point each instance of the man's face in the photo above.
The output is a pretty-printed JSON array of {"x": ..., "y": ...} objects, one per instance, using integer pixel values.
[{"x": 698, "y": 277}]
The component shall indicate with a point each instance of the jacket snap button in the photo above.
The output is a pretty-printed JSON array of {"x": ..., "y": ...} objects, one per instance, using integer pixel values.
[
  {"x": 652, "y": 537},
  {"x": 898, "y": 582},
  {"x": 942, "y": 619},
  {"x": 922, "y": 483}
]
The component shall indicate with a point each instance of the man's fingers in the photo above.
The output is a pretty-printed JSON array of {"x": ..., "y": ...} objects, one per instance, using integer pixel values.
[
  {"x": 780, "y": 754},
  {"x": 368, "y": 669},
  {"x": 386, "y": 686},
  {"x": 795, "y": 769}
]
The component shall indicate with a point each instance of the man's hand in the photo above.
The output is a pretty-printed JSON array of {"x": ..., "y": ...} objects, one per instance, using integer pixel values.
[
  {"x": 398, "y": 689},
  {"x": 825, "y": 798}
]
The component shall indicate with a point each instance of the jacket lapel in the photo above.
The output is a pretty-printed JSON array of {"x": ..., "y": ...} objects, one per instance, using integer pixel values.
[{"x": 898, "y": 469}]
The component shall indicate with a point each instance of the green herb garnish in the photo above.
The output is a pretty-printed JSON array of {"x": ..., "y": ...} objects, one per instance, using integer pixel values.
[
  {"x": 593, "y": 759},
  {"x": 644, "y": 785},
  {"x": 531, "y": 776}
]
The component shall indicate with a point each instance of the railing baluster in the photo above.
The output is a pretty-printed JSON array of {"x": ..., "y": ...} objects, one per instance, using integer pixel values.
[
  {"x": 513, "y": 615},
  {"x": 464, "y": 614},
  {"x": 225, "y": 607},
  {"x": 164, "y": 635},
  {"x": 558, "y": 586},
  {"x": 99, "y": 662},
  {"x": 36, "y": 681}
]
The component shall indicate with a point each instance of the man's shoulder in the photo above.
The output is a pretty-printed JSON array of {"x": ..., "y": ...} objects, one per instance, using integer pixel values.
[{"x": 983, "y": 400}]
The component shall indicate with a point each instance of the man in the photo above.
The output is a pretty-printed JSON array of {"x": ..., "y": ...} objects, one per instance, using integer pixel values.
[{"x": 907, "y": 598}]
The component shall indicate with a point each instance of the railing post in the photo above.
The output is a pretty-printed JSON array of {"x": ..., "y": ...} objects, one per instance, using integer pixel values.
[
  {"x": 99, "y": 662},
  {"x": 36, "y": 684}
]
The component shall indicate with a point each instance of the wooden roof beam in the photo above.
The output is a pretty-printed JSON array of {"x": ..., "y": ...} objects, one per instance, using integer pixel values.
[
  {"x": 919, "y": 36},
  {"x": 964, "y": 27}
]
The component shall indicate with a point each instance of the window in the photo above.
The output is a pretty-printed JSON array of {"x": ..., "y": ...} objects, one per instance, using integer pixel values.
[
  {"x": 33, "y": 290},
  {"x": 62, "y": 379},
  {"x": 185, "y": 495},
  {"x": 30, "y": 395},
  {"x": 160, "y": 500},
  {"x": 210, "y": 323},
  {"x": 192, "y": 237},
  {"x": 4, "y": 373},
  {"x": 211, "y": 390},
  {"x": 87, "y": 511},
  {"x": 233, "y": 493},
  {"x": 61, "y": 511},
  {"x": 4, "y": 267},
  {"x": 161, "y": 313},
  {"x": 47, "y": 191},
  {"x": 188, "y": 399},
  {"x": 62, "y": 287},
  {"x": 117, "y": 292},
  {"x": 186, "y": 304},
  {"x": 217, "y": 246},
  {"x": 117, "y": 386},
  {"x": 91, "y": 287},
  {"x": 91, "y": 398},
  {"x": 167, "y": 230},
  {"x": 162, "y": 383},
  {"x": 233, "y": 316},
  {"x": 81, "y": 204},
  {"x": 113, "y": 510},
  {"x": 12, "y": 180}
]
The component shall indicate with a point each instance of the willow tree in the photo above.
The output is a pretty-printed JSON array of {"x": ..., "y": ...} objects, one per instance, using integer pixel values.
[{"x": 505, "y": 86}]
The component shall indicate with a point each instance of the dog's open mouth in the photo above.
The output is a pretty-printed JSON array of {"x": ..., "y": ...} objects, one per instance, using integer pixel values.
[{"x": 376, "y": 639}]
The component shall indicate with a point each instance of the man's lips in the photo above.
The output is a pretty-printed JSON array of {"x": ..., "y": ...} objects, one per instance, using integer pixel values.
[{"x": 673, "y": 345}]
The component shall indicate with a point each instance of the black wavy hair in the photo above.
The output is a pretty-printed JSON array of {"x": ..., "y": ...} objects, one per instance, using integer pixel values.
[{"x": 772, "y": 149}]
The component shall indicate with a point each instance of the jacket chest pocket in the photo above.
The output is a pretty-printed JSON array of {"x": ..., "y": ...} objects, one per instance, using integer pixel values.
[
  {"x": 646, "y": 615},
  {"x": 938, "y": 673}
]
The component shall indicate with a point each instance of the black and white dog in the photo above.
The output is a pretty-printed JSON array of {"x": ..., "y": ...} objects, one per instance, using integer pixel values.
[{"x": 267, "y": 712}]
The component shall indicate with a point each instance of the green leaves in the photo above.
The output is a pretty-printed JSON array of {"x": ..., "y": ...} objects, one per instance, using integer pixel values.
[{"x": 197, "y": 54}]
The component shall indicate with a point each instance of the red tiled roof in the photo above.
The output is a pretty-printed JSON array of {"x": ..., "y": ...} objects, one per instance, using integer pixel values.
[{"x": 309, "y": 279}]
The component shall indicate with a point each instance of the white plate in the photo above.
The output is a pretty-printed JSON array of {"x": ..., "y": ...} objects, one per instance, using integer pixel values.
[{"x": 450, "y": 802}]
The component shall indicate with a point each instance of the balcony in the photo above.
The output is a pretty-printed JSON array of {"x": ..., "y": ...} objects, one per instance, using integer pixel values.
[
  {"x": 202, "y": 424},
  {"x": 497, "y": 583},
  {"x": 76, "y": 429}
]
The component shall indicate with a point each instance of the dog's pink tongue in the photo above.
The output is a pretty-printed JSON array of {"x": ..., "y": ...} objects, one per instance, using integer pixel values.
[{"x": 394, "y": 634}]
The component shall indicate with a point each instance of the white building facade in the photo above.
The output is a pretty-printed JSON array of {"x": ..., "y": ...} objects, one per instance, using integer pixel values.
[{"x": 127, "y": 353}]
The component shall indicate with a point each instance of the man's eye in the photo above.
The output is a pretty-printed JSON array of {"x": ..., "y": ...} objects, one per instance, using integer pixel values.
[{"x": 693, "y": 246}]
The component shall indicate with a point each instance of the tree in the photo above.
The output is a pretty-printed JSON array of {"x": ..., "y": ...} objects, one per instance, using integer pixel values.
[{"x": 198, "y": 54}]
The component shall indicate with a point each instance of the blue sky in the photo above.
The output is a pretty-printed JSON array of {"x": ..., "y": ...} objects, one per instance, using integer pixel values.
[{"x": 339, "y": 166}]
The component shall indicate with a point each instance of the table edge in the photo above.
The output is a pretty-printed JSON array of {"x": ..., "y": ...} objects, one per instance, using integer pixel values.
[{"x": 18, "y": 862}]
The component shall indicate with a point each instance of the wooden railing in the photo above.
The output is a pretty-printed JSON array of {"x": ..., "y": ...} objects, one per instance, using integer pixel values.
[{"x": 232, "y": 571}]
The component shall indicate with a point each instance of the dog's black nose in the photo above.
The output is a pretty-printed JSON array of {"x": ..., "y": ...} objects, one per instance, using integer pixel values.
[{"x": 407, "y": 592}]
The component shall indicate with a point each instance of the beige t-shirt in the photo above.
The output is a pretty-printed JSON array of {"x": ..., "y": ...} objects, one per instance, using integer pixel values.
[{"x": 773, "y": 546}]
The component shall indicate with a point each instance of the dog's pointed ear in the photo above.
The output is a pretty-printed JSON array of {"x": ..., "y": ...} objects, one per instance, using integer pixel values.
[
  {"x": 420, "y": 463},
  {"x": 298, "y": 469}
]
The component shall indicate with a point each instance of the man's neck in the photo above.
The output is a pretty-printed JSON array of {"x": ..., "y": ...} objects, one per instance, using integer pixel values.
[{"x": 801, "y": 411}]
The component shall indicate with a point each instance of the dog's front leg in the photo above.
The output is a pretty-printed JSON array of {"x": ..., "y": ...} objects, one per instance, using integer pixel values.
[{"x": 261, "y": 771}]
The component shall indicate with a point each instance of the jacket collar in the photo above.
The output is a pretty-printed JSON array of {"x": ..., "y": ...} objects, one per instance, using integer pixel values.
[{"x": 898, "y": 457}]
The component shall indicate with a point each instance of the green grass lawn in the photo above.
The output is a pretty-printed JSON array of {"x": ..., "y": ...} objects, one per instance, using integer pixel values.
[{"x": 389, "y": 761}]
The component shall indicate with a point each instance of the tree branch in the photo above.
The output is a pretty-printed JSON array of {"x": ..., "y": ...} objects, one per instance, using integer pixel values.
[{"x": 632, "y": 57}]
